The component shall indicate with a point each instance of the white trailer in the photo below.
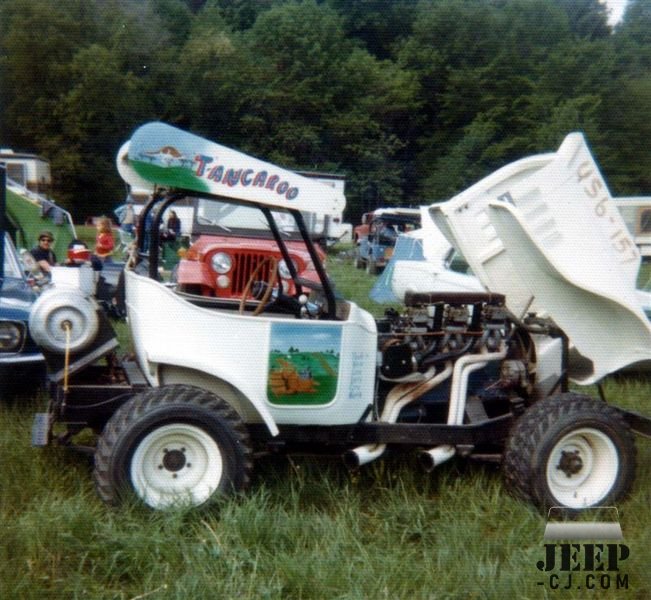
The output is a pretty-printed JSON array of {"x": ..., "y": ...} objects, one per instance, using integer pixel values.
[
  {"x": 331, "y": 228},
  {"x": 636, "y": 212},
  {"x": 29, "y": 170}
]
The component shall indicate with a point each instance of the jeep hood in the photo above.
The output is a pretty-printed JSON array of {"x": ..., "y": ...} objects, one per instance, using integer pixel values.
[{"x": 545, "y": 232}]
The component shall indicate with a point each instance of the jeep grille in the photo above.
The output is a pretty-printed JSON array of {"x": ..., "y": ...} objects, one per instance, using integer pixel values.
[{"x": 245, "y": 264}]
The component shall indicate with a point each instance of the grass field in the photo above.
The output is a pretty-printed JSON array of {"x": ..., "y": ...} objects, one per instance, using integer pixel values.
[{"x": 307, "y": 528}]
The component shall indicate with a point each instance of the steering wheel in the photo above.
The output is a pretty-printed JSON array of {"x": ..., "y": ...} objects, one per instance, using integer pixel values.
[{"x": 271, "y": 282}]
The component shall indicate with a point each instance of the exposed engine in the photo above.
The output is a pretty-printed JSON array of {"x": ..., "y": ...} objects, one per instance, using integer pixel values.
[{"x": 440, "y": 328}]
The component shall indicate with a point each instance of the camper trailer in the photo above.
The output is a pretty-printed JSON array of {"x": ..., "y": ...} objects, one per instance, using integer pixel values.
[
  {"x": 636, "y": 212},
  {"x": 29, "y": 170},
  {"x": 30, "y": 209}
]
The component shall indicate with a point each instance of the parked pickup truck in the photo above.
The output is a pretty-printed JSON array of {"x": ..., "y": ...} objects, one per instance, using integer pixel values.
[{"x": 375, "y": 249}]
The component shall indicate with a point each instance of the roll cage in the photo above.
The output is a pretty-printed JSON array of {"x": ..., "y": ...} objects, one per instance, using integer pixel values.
[{"x": 162, "y": 199}]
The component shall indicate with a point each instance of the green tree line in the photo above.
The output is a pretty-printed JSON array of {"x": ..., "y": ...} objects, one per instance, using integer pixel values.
[{"x": 411, "y": 100}]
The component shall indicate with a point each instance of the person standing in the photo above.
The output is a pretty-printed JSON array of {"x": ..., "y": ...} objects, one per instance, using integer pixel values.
[
  {"x": 173, "y": 228},
  {"x": 128, "y": 217},
  {"x": 104, "y": 242}
]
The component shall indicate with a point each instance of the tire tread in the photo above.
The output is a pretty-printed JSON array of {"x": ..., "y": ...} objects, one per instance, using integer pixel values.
[
  {"x": 153, "y": 399},
  {"x": 528, "y": 433}
]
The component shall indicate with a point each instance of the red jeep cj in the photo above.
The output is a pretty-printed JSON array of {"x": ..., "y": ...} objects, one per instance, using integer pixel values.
[{"x": 230, "y": 243}]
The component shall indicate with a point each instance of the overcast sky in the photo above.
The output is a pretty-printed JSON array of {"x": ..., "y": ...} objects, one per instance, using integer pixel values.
[{"x": 616, "y": 9}]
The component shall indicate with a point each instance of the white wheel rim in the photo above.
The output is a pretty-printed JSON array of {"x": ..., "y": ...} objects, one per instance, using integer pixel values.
[
  {"x": 582, "y": 468},
  {"x": 176, "y": 464}
]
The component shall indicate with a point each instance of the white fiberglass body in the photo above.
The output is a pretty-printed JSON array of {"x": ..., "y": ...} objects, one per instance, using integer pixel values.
[
  {"x": 545, "y": 232},
  {"x": 240, "y": 356},
  {"x": 272, "y": 367}
]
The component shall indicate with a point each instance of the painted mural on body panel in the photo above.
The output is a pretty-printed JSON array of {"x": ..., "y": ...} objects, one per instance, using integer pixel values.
[{"x": 303, "y": 364}]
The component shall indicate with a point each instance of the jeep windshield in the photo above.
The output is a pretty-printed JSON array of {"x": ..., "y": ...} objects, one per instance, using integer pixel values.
[
  {"x": 214, "y": 217},
  {"x": 12, "y": 266}
]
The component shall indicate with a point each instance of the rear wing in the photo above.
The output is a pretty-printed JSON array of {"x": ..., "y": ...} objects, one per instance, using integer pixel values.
[
  {"x": 545, "y": 232},
  {"x": 160, "y": 155}
]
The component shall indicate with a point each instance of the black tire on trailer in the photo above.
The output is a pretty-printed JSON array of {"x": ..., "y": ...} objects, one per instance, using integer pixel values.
[
  {"x": 570, "y": 450},
  {"x": 358, "y": 262},
  {"x": 171, "y": 445}
]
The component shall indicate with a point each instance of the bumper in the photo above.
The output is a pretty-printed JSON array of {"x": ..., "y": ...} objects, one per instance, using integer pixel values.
[
  {"x": 20, "y": 373},
  {"x": 21, "y": 359}
]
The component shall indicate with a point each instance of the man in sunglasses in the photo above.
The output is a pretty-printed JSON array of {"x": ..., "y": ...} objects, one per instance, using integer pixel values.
[{"x": 43, "y": 253}]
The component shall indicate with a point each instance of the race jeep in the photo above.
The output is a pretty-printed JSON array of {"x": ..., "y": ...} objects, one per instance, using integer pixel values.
[{"x": 216, "y": 381}]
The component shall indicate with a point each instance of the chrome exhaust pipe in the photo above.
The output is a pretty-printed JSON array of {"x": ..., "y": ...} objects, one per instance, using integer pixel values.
[
  {"x": 463, "y": 368},
  {"x": 432, "y": 458},
  {"x": 362, "y": 455},
  {"x": 397, "y": 399}
]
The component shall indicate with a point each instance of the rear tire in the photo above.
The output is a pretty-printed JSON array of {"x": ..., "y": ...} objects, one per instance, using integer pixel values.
[
  {"x": 173, "y": 445},
  {"x": 572, "y": 451}
]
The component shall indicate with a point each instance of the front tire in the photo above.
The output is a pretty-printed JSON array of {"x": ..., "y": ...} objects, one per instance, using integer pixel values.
[
  {"x": 572, "y": 451},
  {"x": 173, "y": 445}
]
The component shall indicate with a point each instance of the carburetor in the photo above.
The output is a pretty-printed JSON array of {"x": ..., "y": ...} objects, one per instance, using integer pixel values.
[{"x": 437, "y": 327}]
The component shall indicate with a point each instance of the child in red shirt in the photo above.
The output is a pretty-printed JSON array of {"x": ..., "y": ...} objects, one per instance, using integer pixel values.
[{"x": 104, "y": 242}]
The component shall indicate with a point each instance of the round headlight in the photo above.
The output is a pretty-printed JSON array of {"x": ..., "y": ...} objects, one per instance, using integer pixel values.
[
  {"x": 10, "y": 336},
  {"x": 284, "y": 271},
  {"x": 221, "y": 263}
]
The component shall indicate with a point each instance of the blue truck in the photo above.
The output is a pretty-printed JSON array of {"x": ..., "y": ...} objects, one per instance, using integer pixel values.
[
  {"x": 375, "y": 249},
  {"x": 22, "y": 365}
]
